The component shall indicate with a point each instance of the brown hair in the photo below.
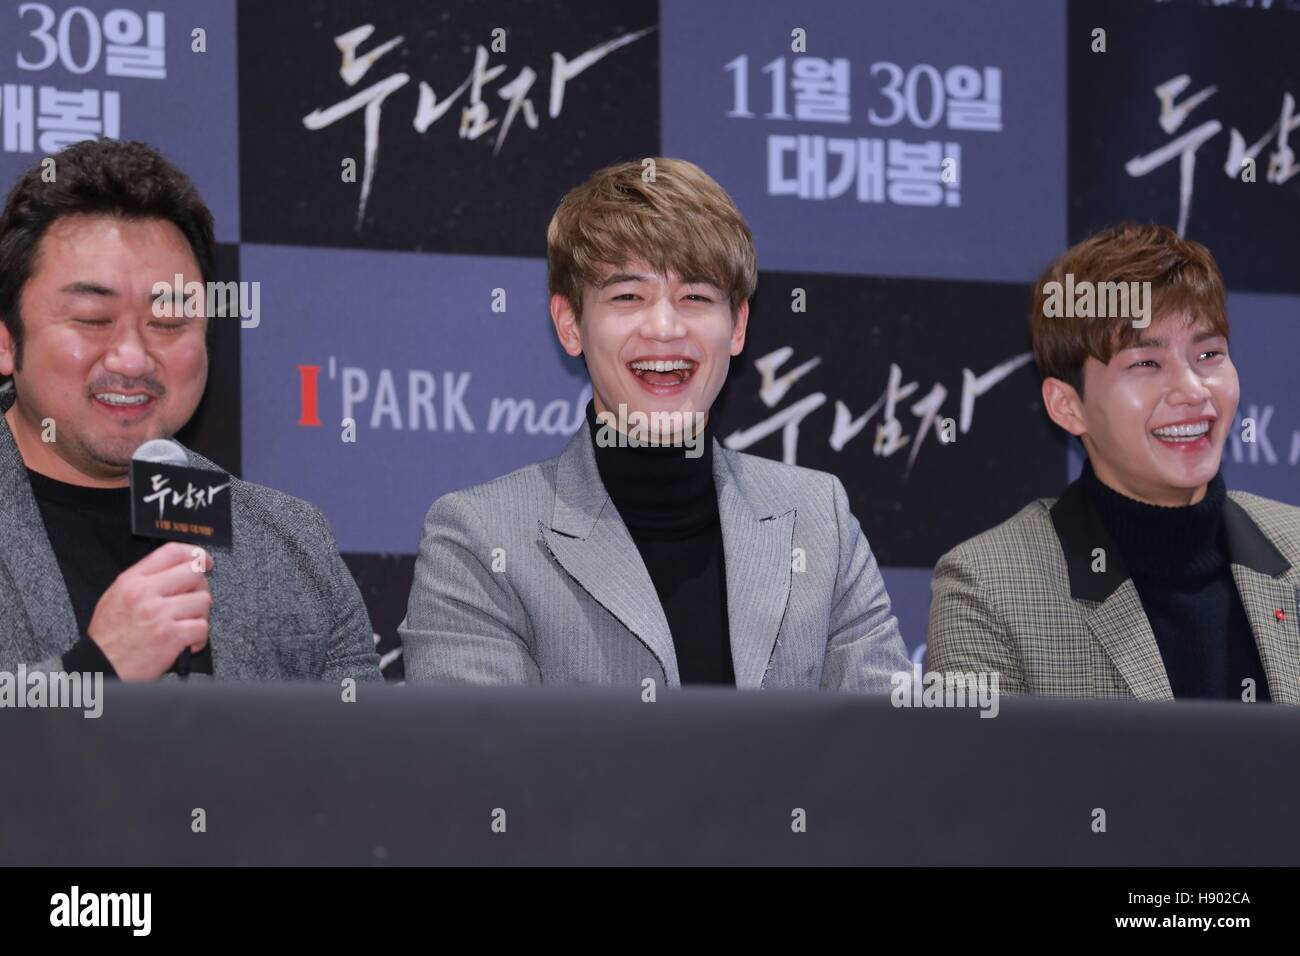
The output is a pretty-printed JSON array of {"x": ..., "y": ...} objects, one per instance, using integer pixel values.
[
  {"x": 94, "y": 177},
  {"x": 1184, "y": 279},
  {"x": 680, "y": 221}
]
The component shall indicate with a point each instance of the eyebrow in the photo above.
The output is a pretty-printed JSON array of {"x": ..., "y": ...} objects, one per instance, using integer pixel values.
[
  {"x": 618, "y": 277},
  {"x": 174, "y": 296},
  {"x": 88, "y": 288},
  {"x": 1145, "y": 343},
  {"x": 108, "y": 292}
]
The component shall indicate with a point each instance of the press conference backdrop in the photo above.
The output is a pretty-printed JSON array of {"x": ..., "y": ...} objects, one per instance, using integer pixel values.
[{"x": 907, "y": 166}]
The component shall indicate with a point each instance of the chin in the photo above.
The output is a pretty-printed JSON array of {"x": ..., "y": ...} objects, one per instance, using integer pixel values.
[
  {"x": 1203, "y": 471},
  {"x": 649, "y": 404},
  {"x": 116, "y": 455},
  {"x": 119, "y": 449},
  {"x": 1178, "y": 486}
]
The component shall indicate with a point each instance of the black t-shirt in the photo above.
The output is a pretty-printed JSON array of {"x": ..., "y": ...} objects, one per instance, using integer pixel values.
[{"x": 90, "y": 532}]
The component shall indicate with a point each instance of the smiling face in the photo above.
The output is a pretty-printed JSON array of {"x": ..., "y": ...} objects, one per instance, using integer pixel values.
[
  {"x": 1155, "y": 417},
  {"x": 95, "y": 359},
  {"x": 654, "y": 343}
]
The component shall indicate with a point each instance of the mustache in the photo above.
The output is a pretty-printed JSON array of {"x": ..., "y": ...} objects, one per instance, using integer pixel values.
[{"x": 116, "y": 383}]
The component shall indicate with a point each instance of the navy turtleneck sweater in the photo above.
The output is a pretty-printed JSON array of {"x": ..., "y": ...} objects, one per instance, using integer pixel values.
[
  {"x": 1178, "y": 560},
  {"x": 670, "y": 506}
]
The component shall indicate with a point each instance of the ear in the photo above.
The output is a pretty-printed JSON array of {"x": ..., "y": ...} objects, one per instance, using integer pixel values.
[
  {"x": 1064, "y": 406},
  {"x": 566, "y": 325},
  {"x": 739, "y": 326},
  {"x": 8, "y": 356}
]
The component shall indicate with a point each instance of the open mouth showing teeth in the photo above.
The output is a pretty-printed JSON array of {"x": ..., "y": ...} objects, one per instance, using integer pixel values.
[
  {"x": 663, "y": 371},
  {"x": 1182, "y": 433},
  {"x": 120, "y": 400}
]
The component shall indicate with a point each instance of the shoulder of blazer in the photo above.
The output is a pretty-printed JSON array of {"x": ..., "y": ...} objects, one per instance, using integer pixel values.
[
  {"x": 1035, "y": 541},
  {"x": 531, "y": 487},
  {"x": 773, "y": 486},
  {"x": 262, "y": 501},
  {"x": 1277, "y": 521},
  {"x": 1024, "y": 539}
]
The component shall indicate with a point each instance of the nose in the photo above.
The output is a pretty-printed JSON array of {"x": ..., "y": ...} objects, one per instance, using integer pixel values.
[
  {"x": 128, "y": 355},
  {"x": 662, "y": 322},
  {"x": 1187, "y": 387}
]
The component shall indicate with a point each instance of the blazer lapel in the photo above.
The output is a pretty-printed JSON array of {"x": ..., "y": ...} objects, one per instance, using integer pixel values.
[
  {"x": 237, "y": 653},
  {"x": 589, "y": 540},
  {"x": 27, "y": 555},
  {"x": 1107, "y": 597},
  {"x": 1267, "y": 584},
  {"x": 757, "y": 544},
  {"x": 1262, "y": 597},
  {"x": 1120, "y": 624}
]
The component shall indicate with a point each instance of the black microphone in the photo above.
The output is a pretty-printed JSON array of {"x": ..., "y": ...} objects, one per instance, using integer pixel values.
[{"x": 163, "y": 484}]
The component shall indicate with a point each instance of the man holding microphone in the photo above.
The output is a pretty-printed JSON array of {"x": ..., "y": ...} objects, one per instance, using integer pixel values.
[{"x": 98, "y": 370}]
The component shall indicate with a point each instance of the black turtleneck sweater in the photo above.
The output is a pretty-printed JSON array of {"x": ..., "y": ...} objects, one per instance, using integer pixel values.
[
  {"x": 670, "y": 506},
  {"x": 90, "y": 533},
  {"x": 1178, "y": 560}
]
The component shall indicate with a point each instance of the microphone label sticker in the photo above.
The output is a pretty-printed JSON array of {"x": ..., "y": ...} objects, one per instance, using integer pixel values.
[{"x": 180, "y": 503}]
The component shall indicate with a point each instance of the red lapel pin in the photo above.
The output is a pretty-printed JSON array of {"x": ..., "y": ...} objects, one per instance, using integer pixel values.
[{"x": 1280, "y": 614}]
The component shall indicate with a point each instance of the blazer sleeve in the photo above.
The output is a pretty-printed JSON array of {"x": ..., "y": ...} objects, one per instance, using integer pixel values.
[
  {"x": 50, "y": 665},
  {"x": 464, "y": 622},
  {"x": 864, "y": 649},
  {"x": 965, "y": 631},
  {"x": 351, "y": 651}
]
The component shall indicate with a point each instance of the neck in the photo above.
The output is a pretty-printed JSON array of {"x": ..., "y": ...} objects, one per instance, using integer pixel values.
[{"x": 41, "y": 457}]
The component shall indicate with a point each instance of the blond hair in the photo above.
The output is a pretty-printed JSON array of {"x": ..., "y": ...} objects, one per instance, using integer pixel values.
[{"x": 678, "y": 220}]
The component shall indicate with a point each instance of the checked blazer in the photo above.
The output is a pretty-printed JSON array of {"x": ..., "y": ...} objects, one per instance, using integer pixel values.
[{"x": 1023, "y": 599}]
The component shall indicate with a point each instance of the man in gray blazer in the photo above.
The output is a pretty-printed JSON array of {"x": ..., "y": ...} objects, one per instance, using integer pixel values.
[
  {"x": 97, "y": 369},
  {"x": 647, "y": 555},
  {"x": 1146, "y": 578}
]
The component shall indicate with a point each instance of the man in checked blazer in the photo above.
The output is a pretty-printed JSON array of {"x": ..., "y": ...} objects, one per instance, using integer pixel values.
[
  {"x": 1146, "y": 578},
  {"x": 646, "y": 553}
]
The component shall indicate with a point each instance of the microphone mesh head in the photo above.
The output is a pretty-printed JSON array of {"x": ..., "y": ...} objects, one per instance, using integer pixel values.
[{"x": 161, "y": 450}]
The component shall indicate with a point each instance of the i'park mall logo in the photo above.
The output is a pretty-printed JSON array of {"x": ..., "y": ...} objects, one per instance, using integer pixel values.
[{"x": 424, "y": 400}]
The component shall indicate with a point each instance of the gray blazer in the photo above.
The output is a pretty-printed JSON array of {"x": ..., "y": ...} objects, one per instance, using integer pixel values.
[
  {"x": 1023, "y": 599},
  {"x": 284, "y": 605},
  {"x": 533, "y": 578}
]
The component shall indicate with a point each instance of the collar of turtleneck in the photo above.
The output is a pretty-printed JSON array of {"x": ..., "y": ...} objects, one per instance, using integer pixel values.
[
  {"x": 1170, "y": 543},
  {"x": 658, "y": 490}
]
